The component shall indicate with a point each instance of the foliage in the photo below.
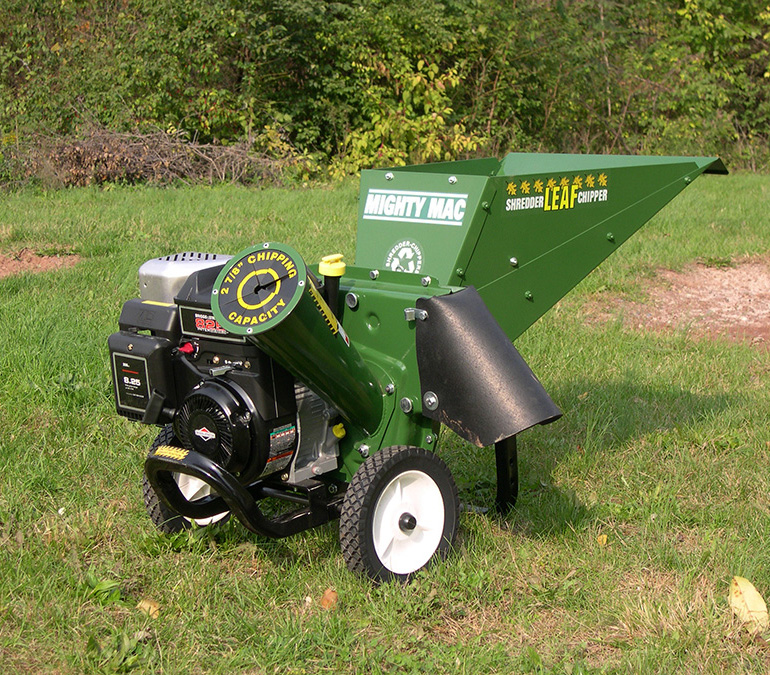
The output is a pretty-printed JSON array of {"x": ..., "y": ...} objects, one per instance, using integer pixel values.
[
  {"x": 413, "y": 129},
  {"x": 362, "y": 82}
]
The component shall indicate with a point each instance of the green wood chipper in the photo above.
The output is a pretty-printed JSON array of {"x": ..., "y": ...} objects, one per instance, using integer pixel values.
[{"x": 290, "y": 395}]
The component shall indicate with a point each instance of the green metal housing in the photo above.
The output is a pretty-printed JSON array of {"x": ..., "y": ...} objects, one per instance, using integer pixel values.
[{"x": 524, "y": 230}]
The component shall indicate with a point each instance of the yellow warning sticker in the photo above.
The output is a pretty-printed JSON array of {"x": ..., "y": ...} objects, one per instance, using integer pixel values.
[
  {"x": 171, "y": 452},
  {"x": 326, "y": 311}
]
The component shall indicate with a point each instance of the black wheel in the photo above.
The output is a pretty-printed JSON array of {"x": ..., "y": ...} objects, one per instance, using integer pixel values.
[
  {"x": 164, "y": 518},
  {"x": 400, "y": 512}
]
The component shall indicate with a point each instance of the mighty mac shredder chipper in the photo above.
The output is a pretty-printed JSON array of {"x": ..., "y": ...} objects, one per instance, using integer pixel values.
[{"x": 324, "y": 388}]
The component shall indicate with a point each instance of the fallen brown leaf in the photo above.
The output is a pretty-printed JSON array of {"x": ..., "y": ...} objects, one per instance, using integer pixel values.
[
  {"x": 748, "y": 605},
  {"x": 149, "y": 607},
  {"x": 329, "y": 599}
]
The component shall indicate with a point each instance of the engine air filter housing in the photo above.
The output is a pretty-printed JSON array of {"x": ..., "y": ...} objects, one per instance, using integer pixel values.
[{"x": 160, "y": 279}]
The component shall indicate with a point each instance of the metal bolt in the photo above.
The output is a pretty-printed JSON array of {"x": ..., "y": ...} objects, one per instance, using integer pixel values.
[
  {"x": 429, "y": 439},
  {"x": 317, "y": 471},
  {"x": 460, "y": 272},
  {"x": 215, "y": 360},
  {"x": 452, "y": 180},
  {"x": 485, "y": 206},
  {"x": 374, "y": 274},
  {"x": 351, "y": 300},
  {"x": 406, "y": 405},
  {"x": 514, "y": 262},
  {"x": 363, "y": 450},
  {"x": 247, "y": 365},
  {"x": 333, "y": 488},
  {"x": 130, "y": 347},
  {"x": 412, "y": 313},
  {"x": 284, "y": 477},
  {"x": 610, "y": 236},
  {"x": 687, "y": 180},
  {"x": 430, "y": 400},
  {"x": 425, "y": 281},
  {"x": 389, "y": 388},
  {"x": 389, "y": 176},
  {"x": 528, "y": 295}
]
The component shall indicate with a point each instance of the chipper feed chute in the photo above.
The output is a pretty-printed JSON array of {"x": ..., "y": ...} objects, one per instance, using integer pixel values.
[{"x": 326, "y": 388}]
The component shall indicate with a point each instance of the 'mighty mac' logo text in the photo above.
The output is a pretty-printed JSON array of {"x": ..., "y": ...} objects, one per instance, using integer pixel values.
[{"x": 408, "y": 206}]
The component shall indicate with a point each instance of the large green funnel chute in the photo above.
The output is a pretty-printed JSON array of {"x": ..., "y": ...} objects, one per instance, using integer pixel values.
[{"x": 524, "y": 230}]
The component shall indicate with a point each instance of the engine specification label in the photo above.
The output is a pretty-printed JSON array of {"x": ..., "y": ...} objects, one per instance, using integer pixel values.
[
  {"x": 131, "y": 381},
  {"x": 201, "y": 322},
  {"x": 283, "y": 440}
]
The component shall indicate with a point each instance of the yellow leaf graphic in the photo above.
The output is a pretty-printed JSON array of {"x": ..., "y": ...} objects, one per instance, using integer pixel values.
[
  {"x": 747, "y": 604},
  {"x": 602, "y": 540}
]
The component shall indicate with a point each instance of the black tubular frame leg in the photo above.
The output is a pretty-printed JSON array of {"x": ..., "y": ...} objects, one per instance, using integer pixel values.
[
  {"x": 163, "y": 462},
  {"x": 506, "y": 459}
]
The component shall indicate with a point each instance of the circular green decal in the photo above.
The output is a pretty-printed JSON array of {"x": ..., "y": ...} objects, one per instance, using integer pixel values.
[{"x": 258, "y": 288}]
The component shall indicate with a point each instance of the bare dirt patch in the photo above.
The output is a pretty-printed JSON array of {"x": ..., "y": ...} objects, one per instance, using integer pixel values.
[
  {"x": 28, "y": 260},
  {"x": 729, "y": 301}
]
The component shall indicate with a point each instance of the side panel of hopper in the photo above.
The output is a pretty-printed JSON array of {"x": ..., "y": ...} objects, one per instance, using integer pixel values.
[
  {"x": 523, "y": 231},
  {"x": 417, "y": 221},
  {"x": 554, "y": 218}
]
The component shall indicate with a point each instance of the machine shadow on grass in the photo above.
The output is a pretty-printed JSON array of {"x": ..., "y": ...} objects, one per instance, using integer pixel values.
[
  {"x": 598, "y": 417},
  {"x": 613, "y": 414}
]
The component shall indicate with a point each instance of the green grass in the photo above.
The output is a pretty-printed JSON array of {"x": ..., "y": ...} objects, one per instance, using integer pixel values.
[{"x": 663, "y": 448}]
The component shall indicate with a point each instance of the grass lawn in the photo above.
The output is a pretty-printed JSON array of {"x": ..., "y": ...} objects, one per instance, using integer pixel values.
[{"x": 635, "y": 509}]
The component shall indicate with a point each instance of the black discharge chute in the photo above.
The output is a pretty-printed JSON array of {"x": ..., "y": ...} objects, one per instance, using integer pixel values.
[{"x": 484, "y": 390}]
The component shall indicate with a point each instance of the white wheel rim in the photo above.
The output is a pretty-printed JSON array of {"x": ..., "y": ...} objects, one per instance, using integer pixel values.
[
  {"x": 400, "y": 549},
  {"x": 194, "y": 488}
]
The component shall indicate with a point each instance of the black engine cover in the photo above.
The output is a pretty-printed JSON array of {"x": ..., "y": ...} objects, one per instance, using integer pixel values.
[{"x": 216, "y": 422}]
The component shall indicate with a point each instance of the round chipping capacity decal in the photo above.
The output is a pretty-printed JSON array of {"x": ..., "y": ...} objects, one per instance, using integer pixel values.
[
  {"x": 405, "y": 256},
  {"x": 258, "y": 287}
]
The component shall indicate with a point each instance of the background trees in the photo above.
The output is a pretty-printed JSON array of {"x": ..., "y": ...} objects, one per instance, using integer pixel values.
[{"x": 363, "y": 82}]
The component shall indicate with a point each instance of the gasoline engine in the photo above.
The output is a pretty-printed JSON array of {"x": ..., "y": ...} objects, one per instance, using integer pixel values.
[
  {"x": 220, "y": 395},
  {"x": 289, "y": 396}
]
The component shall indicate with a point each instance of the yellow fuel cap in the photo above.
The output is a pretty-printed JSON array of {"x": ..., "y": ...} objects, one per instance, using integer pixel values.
[{"x": 332, "y": 265}]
